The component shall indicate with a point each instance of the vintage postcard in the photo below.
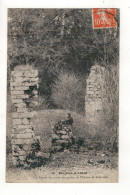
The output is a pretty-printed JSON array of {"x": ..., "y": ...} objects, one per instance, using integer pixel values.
[{"x": 62, "y": 95}]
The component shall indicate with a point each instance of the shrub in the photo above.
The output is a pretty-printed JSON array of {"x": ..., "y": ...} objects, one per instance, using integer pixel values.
[{"x": 68, "y": 93}]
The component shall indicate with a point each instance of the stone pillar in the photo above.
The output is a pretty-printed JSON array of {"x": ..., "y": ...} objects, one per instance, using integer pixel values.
[
  {"x": 95, "y": 96},
  {"x": 23, "y": 85}
]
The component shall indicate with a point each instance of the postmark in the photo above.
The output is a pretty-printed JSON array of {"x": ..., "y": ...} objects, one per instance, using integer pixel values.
[{"x": 104, "y": 18}]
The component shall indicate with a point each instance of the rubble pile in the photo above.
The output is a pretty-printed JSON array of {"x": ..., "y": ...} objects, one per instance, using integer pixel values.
[{"x": 62, "y": 136}]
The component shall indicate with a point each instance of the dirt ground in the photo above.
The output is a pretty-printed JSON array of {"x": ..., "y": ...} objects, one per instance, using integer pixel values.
[
  {"x": 86, "y": 166},
  {"x": 68, "y": 166}
]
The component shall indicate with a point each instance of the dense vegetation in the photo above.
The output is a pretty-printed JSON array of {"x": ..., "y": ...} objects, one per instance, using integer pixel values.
[{"x": 59, "y": 41}]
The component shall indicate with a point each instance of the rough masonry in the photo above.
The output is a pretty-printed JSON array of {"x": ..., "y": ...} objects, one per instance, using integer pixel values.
[
  {"x": 23, "y": 85},
  {"x": 95, "y": 96},
  {"x": 62, "y": 136}
]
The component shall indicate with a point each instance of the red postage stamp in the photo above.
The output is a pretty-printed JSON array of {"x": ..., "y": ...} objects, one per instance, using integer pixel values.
[{"x": 104, "y": 18}]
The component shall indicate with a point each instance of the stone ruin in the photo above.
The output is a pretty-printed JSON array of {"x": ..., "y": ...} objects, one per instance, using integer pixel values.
[
  {"x": 23, "y": 85},
  {"x": 95, "y": 96},
  {"x": 62, "y": 136}
]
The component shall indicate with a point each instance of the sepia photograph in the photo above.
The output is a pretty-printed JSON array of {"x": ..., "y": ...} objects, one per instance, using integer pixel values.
[{"x": 62, "y": 115}]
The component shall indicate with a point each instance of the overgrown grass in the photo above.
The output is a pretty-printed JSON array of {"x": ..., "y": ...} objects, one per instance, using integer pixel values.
[
  {"x": 94, "y": 138},
  {"x": 45, "y": 119}
]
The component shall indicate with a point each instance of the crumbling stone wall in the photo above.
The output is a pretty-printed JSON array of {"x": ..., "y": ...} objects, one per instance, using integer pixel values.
[
  {"x": 23, "y": 85},
  {"x": 95, "y": 96},
  {"x": 62, "y": 136}
]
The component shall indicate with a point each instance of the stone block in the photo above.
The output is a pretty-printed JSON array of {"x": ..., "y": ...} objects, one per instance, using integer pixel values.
[
  {"x": 22, "y": 131},
  {"x": 54, "y": 136},
  {"x": 19, "y": 96},
  {"x": 22, "y": 96},
  {"x": 62, "y": 132},
  {"x": 89, "y": 86},
  {"x": 16, "y": 84},
  {"x": 32, "y": 73},
  {"x": 20, "y": 105},
  {"x": 22, "y": 110},
  {"x": 17, "y": 73},
  {"x": 27, "y": 84},
  {"x": 61, "y": 141},
  {"x": 25, "y": 136},
  {"x": 21, "y": 79},
  {"x": 26, "y": 115},
  {"x": 58, "y": 147},
  {"x": 43, "y": 154},
  {"x": 21, "y": 127},
  {"x": 34, "y": 79},
  {"x": 29, "y": 130},
  {"x": 17, "y": 121},
  {"x": 90, "y": 92},
  {"x": 16, "y": 131},
  {"x": 17, "y": 92},
  {"x": 97, "y": 92},
  {"x": 65, "y": 137},
  {"x": 12, "y": 84},
  {"x": 22, "y": 88},
  {"x": 22, "y": 141},
  {"x": 35, "y": 92},
  {"x": 13, "y": 136},
  {"x": 19, "y": 152},
  {"x": 27, "y": 80},
  {"x": 17, "y": 100},
  {"x": 25, "y": 121},
  {"x": 22, "y": 158},
  {"x": 13, "y": 97},
  {"x": 27, "y": 147},
  {"x": 90, "y": 89},
  {"x": 15, "y": 126},
  {"x": 15, "y": 115},
  {"x": 23, "y": 67},
  {"x": 67, "y": 128},
  {"x": 24, "y": 126}
]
